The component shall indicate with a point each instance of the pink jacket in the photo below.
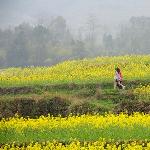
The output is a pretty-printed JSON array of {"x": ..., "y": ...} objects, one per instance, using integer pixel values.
[{"x": 118, "y": 76}]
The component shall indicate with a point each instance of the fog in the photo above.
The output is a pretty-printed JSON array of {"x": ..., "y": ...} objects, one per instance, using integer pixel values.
[
  {"x": 91, "y": 28},
  {"x": 107, "y": 12}
]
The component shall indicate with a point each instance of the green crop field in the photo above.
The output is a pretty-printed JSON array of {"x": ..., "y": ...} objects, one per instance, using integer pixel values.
[{"x": 74, "y": 105}]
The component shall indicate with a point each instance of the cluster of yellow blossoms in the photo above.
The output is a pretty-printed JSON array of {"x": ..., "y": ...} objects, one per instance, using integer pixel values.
[
  {"x": 97, "y": 121},
  {"x": 86, "y": 70},
  {"x": 76, "y": 145},
  {"x": 143, "y": 90}
]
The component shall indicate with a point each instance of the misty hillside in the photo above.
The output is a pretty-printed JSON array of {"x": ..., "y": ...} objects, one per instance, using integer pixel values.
[{"x": 46, "y": 32}]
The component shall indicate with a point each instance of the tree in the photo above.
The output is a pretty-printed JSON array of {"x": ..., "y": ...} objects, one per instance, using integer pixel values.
[
  {"x": 40, "y": 38},
  {"x": 58, "y": 30},
  {"x": 108, "y": 41},
  {"x": 17, "y": 54},
  {"x": 134, "y": 38}
]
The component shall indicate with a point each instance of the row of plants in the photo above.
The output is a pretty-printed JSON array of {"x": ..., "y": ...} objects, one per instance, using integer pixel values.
[
  {"x": 96, "y": 70},
  {"x": 107, "y": 131},
  {"x": 81, "y": 127},
  {"x": 101, "y": 144}
]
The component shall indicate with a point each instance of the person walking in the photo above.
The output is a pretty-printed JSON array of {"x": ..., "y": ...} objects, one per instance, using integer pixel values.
[{"x": 118, "y": 79}]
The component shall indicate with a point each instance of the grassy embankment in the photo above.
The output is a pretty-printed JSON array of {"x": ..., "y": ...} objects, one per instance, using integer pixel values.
[{"x": 75, "y": 87}]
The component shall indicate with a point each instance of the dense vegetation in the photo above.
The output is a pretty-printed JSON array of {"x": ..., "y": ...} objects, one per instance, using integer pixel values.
[
  {"x": 82, "y": 93},
  {"x": 84, "y": 86},
  {"x": 97, "y": 70},
  {"x": 45, "y": 45}
]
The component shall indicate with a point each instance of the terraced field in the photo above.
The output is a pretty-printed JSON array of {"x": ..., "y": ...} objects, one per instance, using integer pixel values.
[{"x": 85, "y": 112}]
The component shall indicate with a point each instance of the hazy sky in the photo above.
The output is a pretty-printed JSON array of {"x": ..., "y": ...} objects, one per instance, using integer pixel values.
[{"x": 76, "y": 12}]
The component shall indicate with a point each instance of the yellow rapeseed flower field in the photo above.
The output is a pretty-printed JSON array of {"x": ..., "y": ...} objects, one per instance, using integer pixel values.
[
  {"x": 76, "y": 145},
  {"x": 100, "y": 69},
  {"x": 93, "y": 70},
  {"x": 143, "y": 90},
  {"x": 96, "y": 121}
]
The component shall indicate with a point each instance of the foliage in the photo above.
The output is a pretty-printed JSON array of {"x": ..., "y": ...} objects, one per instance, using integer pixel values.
[
  {"x": 93, "y": 127},
  {"x": 42, "y": 45},
  {"x": 97, "y": 70}
]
